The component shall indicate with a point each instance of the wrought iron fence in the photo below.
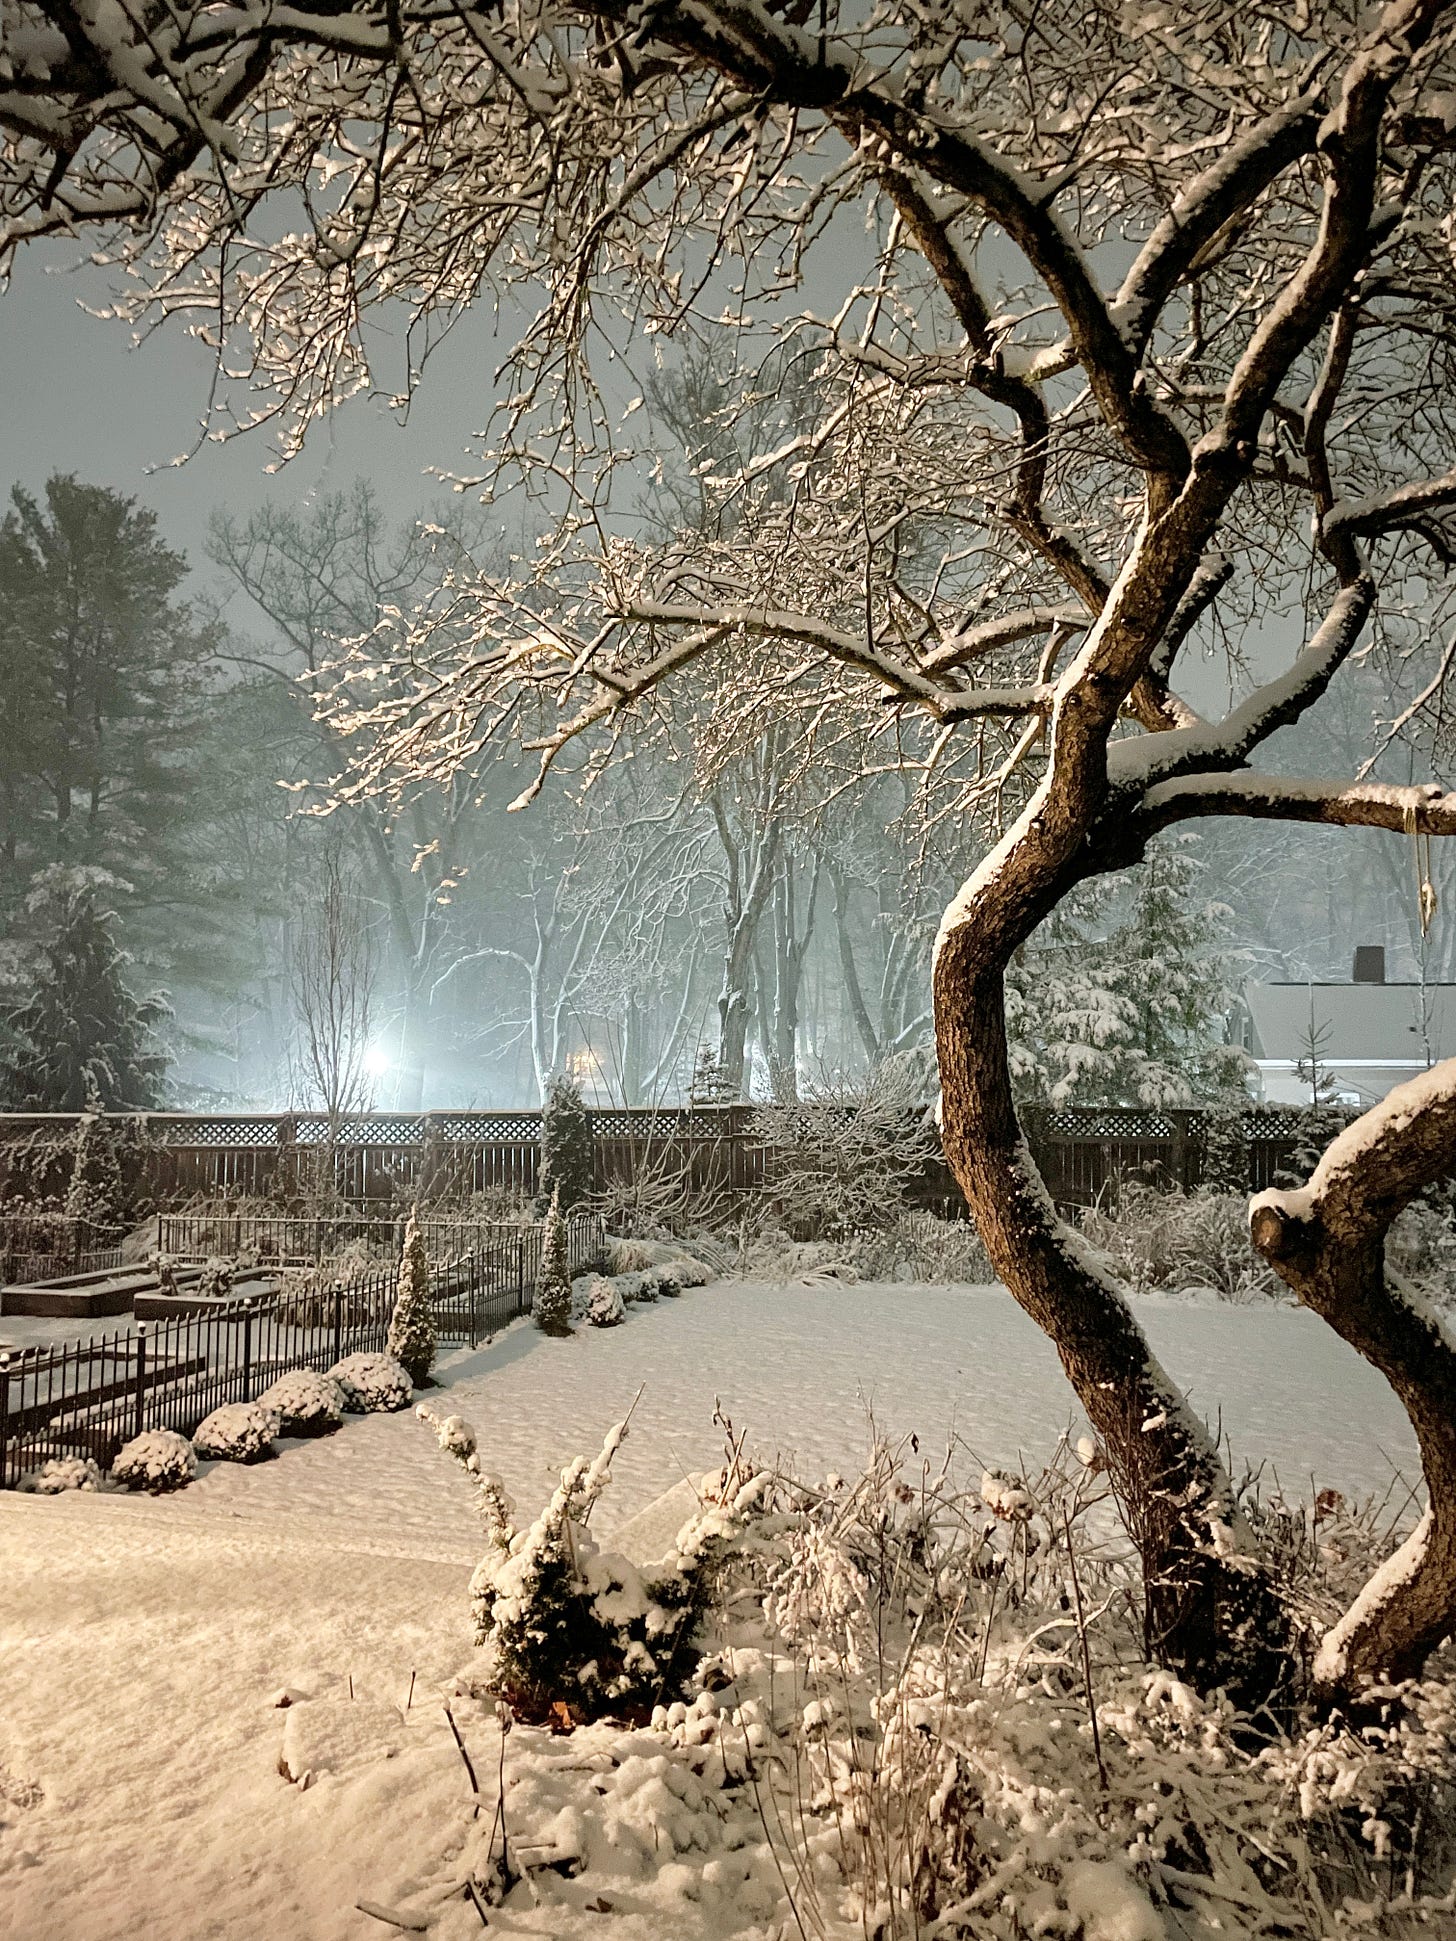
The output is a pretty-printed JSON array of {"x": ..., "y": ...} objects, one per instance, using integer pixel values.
[
  {"x": 87, "y": 1398},
  {"x": 296, "y": 1239}
]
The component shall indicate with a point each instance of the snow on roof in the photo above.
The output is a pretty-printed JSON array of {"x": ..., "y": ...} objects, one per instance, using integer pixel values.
[{"x": 1365, "y": 1021}]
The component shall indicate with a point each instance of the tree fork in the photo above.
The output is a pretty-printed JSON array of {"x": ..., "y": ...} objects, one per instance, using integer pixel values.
[
  {"x": 1212, "y": 1611},
  {"x": 1327, "y": 1242}
]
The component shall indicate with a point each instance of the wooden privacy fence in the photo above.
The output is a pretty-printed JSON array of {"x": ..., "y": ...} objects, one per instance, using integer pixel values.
[
  {"x": 1084, "y": 1152},
  {"x": 87, "y": 1398}
]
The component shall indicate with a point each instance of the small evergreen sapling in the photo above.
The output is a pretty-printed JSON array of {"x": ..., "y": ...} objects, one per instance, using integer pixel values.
[
  {"x": 412, "y": 1325},
  {"x": 552, "y": 1305},
  {"x": 95, "y": 1194},
  {"x": 567, "y": 1151}
]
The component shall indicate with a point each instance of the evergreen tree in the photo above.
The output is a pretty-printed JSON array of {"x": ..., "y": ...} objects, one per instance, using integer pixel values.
[
  {"x": 96, "y": 1193},
  {"x": 105, "y": 696},
  {"x": 552, "y": 1305},
  {"x": 1226, "y": 1151},
  {"x": 1122, "y": 1000},
  {"x": 567, "y": 1151},
  {"x": 412, "y": 1325},
  {"x": 79, "y": 1032}
]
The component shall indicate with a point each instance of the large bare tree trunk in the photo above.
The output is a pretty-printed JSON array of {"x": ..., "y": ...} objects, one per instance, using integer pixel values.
[
  {"x": 1327, "y": 1240},
  {"x": 1211, "y": 1611}
]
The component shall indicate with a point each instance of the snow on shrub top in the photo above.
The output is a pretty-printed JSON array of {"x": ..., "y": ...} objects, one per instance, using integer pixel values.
[
  {"x": 604, "y": 1308},
  {"x": 61, "y": 1473},
  {"x": 373, "y": 1383},
  {"x": 237, "y": 1432},
  {"x": 156, "y": 1460},
  {"x": 304, "y": 1401}
]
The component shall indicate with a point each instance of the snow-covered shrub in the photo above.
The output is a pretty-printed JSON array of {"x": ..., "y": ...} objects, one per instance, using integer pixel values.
[
  {"x": 373, "y": 1384},
  {"x": 568, "y": 1156},
  {"x": 305, "y": 1402},
  {"x": 236, "y": 1432},
  {"x": 412, "y": 1325},
  {"x": 686, "y": 1271},
  {"x": 570, "y": 1627},
  {"x": 1159, "y": 1240},
  {"x": 551, "y": 1307},
  {"x": 95, "y": 1194},
  {"x": 626, "y": 1256},
  {"x": 59, "y": 1474},
  {"x": 841, "y": 1160},
  {"x": 604, "y": 1307},
  {"x": 641, "y": 1286},
  {"x": 668, "y": 1283},
  {"x": 216, "y": 1277},
  {"x": 158, "y": 1460}
]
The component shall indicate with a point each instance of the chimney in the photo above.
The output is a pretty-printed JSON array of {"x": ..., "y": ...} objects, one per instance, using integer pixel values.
[{"x": 1369, "y": 964}]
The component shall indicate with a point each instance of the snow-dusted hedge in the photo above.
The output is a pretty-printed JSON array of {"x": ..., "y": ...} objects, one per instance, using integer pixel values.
[
  {"x": 237, "y": 1432},
  {"x": 305, "y": 1402},
  {"x": 59, "y": 1474},
  {"x": 372, "y": 1384},
  {"x": 604, "y": 1307},
  {"x": 640, "y": 1286},
  {"x": 158, "y": 1460}
]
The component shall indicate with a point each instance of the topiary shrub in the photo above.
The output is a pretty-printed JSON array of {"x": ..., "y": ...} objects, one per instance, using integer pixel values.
[
  {"x": 305, "y": 1402},
  {"x": 551, "y": 1307},
  {"x": 60, "y": 1474},
  {"x": 158, "y": 1460},
  {"x": 567, "y": 1150},
  {"x": 604, "y": 1307},
  {"x": 237, "y": 1432},
  {"x": 412, "y": 1325},
  {"x": 373, "y": 1384},
  {"x": 574, "y": 1632}
]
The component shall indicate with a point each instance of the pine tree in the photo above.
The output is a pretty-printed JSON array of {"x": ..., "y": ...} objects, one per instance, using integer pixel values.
[
  {"x": 567, "y": 1151},
  {"x": 552, "y": 1305},
  {"x": 80, "y": 1032},
  {"x": 412, "y": 1325},
  {"x": 1122, "y": 1001},
  {"x": 96, "y": 1194}
]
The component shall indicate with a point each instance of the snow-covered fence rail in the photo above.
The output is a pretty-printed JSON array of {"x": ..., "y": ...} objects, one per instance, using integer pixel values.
[
  {"x": 89, "y": 1397},
  {"x": 1083, "y": 1151},
  {"x": 171, "y": 1156}
]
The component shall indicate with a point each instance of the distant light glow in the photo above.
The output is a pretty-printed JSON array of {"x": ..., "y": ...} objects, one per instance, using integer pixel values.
[{"x": 377, "y": 1061}]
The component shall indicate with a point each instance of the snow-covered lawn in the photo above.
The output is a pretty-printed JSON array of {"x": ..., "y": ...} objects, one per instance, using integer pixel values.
[{"x": 143, "y": 1640}]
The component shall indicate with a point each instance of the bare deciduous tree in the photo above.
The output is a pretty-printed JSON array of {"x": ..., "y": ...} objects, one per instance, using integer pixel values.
[
  {"x": 334, "y": 967},
  {"x": 1151, "y": 335}
]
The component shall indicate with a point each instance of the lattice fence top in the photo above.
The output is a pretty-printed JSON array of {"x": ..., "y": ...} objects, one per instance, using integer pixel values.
[{"x": 1110, "y": 1122}]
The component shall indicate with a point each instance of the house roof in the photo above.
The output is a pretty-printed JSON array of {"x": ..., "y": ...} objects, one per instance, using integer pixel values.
[{"x": 1370, "y": 1022}]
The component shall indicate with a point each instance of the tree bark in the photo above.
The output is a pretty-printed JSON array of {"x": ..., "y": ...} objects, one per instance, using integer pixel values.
[
  {"x": 1327, "y": 1241},
  {"x": 1211, "y": 1612}
]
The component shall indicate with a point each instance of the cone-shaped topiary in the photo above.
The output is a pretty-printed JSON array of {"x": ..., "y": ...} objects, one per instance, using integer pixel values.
[
  {"x": 567, "y": 1154},
  {"x": 412, "y": 1325},
  {"x": 552, "y": 1305}
]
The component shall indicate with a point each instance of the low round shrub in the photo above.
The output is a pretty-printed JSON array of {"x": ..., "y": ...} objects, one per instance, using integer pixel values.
[
  {"x": 237, "y": 1432},
  {"x": 604, "y": 1308},
  {"x": 157, "y": 1460},
  {"x": 305, "y": 1402},
  {"x": 372, "y": 1383},
  {"x": 61, "y": 1473}
]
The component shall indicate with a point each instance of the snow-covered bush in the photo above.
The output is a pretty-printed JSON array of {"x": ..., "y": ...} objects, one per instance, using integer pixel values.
[
  {"x": 1180, "y": 1240},
  {"x": 841, "y": 1160},
  {"x": 568, "y": 1156},
  {"x": 573, "y": 1630},
  {"x": 687, "y": 1272},
  {"x": 604, "y": 1307},
  {"x": 96, "y": 1194},
  {"x": 372, "y": 1384},
  {"x": 59, "y": 1474},
  {"x": 412, "y": 1325},
  {"x": 641, "y": 1286},
  {"x": 216, "y": 1278},
  {"x": 551, "y": 1307},
  {"x": 635, "y": 1256},
  {"x": 236, "y": 1432},
  {"x": 158, "y": 1460},
  {"x": 305, "y": 1402}
]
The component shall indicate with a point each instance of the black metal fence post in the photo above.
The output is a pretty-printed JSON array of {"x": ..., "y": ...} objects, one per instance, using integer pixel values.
[
  {"x": 521, "y": 1274},
  {"x": 141, "y": 1379},
  {"x": 4, "y": 1419},
  {"x": 338, "y": 1322},
  {"x": 247, "y": 1394}
]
